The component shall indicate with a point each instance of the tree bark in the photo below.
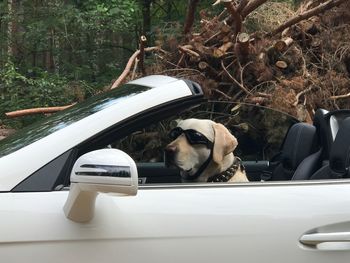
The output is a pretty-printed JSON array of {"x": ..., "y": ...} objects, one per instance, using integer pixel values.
[
  {"x": 143, "y": 41},
  {"x": 242, "y": 5},
  {"x": 146, "y": 14},
  {"x": 282, "y": 44},
  {"x": 251, "y": 6},
  {"x": 236, "y": 17},
  {"x": 11, "y": 29},
  {"x": 191, "y": 10},
  {"x": 242, "y": 47}
]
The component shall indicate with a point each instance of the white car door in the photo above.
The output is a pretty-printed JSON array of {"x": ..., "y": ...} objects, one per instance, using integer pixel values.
[{"x": 255, "y": 222}]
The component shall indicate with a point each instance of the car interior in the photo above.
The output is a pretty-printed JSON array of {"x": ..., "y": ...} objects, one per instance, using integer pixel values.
[
  {"x": 295, "y": 151},
  {"x": 273, "y": 146}
]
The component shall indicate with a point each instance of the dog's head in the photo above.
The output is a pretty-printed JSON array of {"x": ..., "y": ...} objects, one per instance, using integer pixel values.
[{"x": 196, "y": 143}]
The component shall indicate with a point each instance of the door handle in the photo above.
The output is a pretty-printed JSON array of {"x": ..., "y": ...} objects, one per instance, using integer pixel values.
[{"x": 318, "y": 238}]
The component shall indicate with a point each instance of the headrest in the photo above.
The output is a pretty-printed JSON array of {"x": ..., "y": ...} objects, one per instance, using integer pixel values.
[
  {"x": 300, "y": 142},
  {"x": 339, "y": 160}
]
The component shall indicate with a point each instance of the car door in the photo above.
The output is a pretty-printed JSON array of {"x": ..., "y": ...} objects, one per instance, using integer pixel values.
[{"x": 253, "y": 222}]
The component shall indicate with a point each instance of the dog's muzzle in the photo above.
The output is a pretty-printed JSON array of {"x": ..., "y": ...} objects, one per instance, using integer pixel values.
[{"x": 169, "y": 155}]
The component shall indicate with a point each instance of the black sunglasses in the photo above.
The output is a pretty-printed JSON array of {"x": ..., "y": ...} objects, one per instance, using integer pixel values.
[{"x": 192, "y": 136}]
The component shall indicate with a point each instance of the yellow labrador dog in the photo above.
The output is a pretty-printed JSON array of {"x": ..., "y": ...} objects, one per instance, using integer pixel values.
[{"x": 203, "y": 151}]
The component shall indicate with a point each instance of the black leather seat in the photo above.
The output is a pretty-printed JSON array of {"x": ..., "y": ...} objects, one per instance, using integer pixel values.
[
  {"x": 299, "y": 157},
  {"x": 339, "y": 156}
]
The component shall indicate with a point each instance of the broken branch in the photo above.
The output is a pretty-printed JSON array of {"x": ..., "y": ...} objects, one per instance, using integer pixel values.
[
  {"x": 25, "y": 112},
  {"x": 235, "y": 15},
  {"x": 302, "y": 93},
  {"x": 187, "y": 49},
  {"x": 251, "y": 6},
  {"x": 282, "y": 44},
  {"x": 141, "y": 56},
  {"x": 314, "y": 11},
  {"x": 128, "y": 66},
  {"x": 234, "y": 80},
  {"x": 340, "y": 97},
  {"x": 242, "y": 5}
]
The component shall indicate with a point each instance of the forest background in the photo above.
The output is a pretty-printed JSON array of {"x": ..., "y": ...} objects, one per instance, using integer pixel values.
[{"x": 55, "y": 52}]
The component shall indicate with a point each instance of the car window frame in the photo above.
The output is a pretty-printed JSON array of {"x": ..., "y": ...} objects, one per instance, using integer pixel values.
[
  {"x": 98, "y": 141},
  {"x": 133, "y": 123}
]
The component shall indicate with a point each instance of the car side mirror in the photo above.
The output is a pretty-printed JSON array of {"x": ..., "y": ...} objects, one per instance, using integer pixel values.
[{"x": 100, "y": 171}]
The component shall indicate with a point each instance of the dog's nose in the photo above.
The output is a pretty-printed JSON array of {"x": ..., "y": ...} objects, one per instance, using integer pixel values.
[
  {"x": 170, "y": 150},
  {"x": 169, "y": 153}
]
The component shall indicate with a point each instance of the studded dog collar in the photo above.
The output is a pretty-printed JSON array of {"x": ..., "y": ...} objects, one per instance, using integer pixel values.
[{"x": 225, "y": 176}]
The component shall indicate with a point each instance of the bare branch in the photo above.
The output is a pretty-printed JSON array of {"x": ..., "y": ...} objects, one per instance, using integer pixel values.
[
  {"x": 314, "y": 11},
  {"x": 242, "y": 5},
  {"x": 25, "y": 112},
  {"x": 251, "y": 6},
  {"x": 129, "y": 65},
  {"x": 234, "y": 80},
  {"x": 236, "y": 17},
  {"x": 302, "y": 93},
  {"x": 222, "y": 94},
  {"x": 234, "y": 14},
  {"x": 340, "y": 97},
  {"x": 187, "y": 49}
]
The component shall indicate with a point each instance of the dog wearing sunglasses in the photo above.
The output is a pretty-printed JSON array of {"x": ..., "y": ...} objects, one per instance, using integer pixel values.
[{"x": 203, "y": 151}]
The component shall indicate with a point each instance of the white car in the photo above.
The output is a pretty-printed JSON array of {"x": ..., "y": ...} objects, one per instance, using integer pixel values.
[{"x": 68, "y": 195}]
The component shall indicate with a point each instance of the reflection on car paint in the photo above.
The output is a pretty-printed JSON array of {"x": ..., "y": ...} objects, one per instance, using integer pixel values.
[{"x": 57, "y": 121}]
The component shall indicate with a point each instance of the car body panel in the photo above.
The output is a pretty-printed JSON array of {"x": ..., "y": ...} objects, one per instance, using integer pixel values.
[
  {"x": 254, "y": 222},
  {"x": 50, "y": 147}
]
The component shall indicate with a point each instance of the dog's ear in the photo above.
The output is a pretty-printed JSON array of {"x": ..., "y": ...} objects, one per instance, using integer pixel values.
[
  {"x": 174, "y": 123},
  {"x": 224, "y": 142}
]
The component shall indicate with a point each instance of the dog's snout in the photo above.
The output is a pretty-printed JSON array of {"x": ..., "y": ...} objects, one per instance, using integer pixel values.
[
  {"x": 170, "y": 152},
  {"x": 170, "y": 149}
]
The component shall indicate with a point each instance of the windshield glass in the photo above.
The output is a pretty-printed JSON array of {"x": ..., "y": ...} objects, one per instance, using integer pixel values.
[{"x": 62, "y": 119}]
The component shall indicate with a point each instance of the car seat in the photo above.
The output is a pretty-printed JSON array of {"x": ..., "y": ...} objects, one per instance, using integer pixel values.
[
  {"x": 327, "y": 124},
  {"x": 299, "y": 157},
  {"x": 339, "y": 156}
]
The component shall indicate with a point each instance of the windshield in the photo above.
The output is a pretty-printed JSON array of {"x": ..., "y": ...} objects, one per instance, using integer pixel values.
[{"x": 62, "y": 119}]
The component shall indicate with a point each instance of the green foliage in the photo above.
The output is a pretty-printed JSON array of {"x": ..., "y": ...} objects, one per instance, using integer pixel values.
[
  {"x": 55, "y": 52},
  {"x": 19, "y": 92},
  {"x": 61, "y": 49}
]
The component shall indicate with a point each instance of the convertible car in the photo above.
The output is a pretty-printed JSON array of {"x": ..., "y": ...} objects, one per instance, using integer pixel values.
[{"x": 89, "y": 184}]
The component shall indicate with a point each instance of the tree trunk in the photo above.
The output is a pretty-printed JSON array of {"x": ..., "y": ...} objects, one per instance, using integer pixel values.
[
  {"x": 146, "y": 13},
  {"x": 191, "y": 9},
  {"x": 11, "y": 29},
  {"x": 169, "y": 10}
]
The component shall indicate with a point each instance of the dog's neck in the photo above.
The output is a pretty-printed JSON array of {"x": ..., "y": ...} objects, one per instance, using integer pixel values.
[
  {"x": 229, "y": 175},
  {"x": 214, "y": 168},
  {"x": 230, "y": 169}
]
